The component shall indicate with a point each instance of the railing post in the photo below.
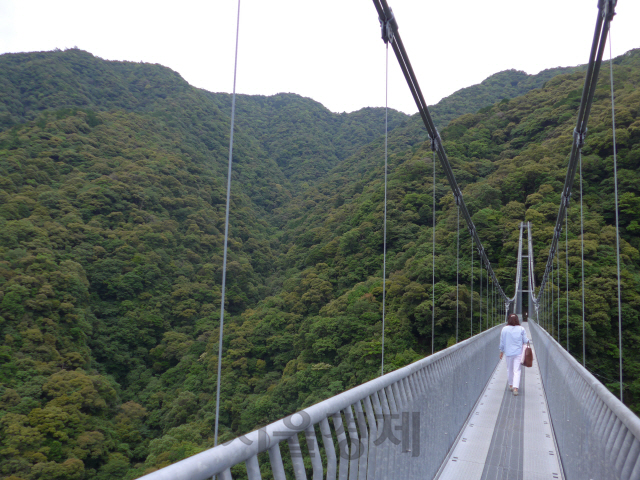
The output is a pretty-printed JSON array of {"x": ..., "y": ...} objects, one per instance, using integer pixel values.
[
  {"x": 314, "y": 452},
  {"x": 372, "y": 420},
  {"x": 329, "y": 448},
  {"x": 343, "y": 447},
  {"x": 253, "y": 468},
  {"x": 296, "y": 457},
  {"x": 277, "y": 468},
  {"x": 355, "y": 447}
]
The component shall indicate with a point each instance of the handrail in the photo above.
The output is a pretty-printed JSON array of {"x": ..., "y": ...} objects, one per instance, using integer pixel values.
[
  {"x": 597, "y": 435},
  {"x": 421, "y": 392}
]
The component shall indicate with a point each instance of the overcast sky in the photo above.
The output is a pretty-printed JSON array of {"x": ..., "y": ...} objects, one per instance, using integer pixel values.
[{"x": 329, "y": 50}]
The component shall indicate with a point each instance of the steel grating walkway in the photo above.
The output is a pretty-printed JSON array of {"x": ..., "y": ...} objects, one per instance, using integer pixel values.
[{"x": 506, "y": 437}]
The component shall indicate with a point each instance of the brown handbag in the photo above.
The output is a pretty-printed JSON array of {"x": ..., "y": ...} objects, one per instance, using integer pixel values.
[{"x": 527, "y": 356}]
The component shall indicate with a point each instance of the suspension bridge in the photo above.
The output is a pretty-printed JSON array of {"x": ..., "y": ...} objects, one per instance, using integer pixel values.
[{"x": 451, "y": 415}]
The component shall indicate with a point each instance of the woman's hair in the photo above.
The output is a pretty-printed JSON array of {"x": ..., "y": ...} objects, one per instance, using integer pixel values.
[{"x": 513, "y": 320}]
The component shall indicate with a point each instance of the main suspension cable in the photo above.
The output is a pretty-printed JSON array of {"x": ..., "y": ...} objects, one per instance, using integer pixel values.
[
  {"x": 390, "y": 30},
  {"x": 606, "y": 12},
  {"x": 226, "y": 233}
]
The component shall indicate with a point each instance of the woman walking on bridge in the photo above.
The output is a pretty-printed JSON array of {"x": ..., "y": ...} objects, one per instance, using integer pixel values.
[{"x": 512, "y": 339}]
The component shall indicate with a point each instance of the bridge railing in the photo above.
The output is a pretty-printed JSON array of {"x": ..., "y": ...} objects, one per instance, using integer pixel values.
[
  {"x": 598, "y": 437},
  {"x": 400, "y": 425}
]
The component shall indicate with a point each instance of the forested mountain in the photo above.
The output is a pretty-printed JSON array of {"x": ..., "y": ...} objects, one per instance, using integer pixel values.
[
  {"x": 500, "y": 86},
  {"x": 304, "y": 138},
  {"x": 112, "y": 187}
]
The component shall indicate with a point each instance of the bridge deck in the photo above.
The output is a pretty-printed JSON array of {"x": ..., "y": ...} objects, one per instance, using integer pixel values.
[{"x": 506, "y": 437}]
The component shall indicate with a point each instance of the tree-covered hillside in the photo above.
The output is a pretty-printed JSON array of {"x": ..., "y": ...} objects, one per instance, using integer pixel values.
[
  {"x": 502, "y": 85},
  {"x": 112, "y": 187}
]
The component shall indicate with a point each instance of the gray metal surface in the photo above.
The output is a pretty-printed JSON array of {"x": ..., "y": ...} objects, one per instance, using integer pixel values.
[
  {"x": 540, "y": 453},
  {"x": 467, "y": 458},
  {"x": 505, "y": 455},
  {"x": 598, "y": 437},
  {"x": 400, "y": 425}
]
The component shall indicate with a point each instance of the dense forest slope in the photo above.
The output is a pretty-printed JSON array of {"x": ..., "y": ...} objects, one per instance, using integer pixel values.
[
  {"x": 112, "y": 182},
  {"x": 500, "y": 86},
  {"x": 304, "y": 138}
]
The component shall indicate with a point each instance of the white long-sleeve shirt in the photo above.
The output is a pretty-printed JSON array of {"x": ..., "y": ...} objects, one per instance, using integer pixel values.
[{"x": 511, "y": 340}]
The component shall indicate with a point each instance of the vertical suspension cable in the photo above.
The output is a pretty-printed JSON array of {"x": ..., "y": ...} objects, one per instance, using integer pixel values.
[
  {"x": 487, "y": 316},
  {"x": 545, "y": 306},
  {"x": 458, "y": 275},
  {"x": 226, "y": 234},
  {"x": 558, "y": 270},
  {"x": 491, "y": 315},
  {"x": 615, "y": 183},
  {"x": 541, "y": 314},
  {"x": 433, "y": 252},
  {"x": 480, "y": 298},
  {"x": 584, "y": 347},
  {"x": 566, "y": 257},
  {"x": 552, "y": 297},
  {"x": 472, "y": 285},
  {"x": 384, "y": 241}
]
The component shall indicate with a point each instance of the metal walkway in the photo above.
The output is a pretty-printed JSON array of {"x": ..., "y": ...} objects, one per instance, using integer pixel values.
[{"x": 507, "y": 437}]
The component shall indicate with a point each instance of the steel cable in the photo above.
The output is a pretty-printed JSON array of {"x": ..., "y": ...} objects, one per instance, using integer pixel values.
[
  {"x": 226, "y": 233},
  {"x": 384, "y": 254},
  {"x": 458, "y": 275},
  {"x": 584, "y": 348},
  {"x": 487, "y": 316},
  {"x": 615, "y": 183},
  {"x": 390, "y": 29},
  {"x": 472, "y": 285},
  {"x": 433, "y": 255},
  {"x": 480, "y": 300},
  {"x": 552, "y": 297},
  {"x": 566, "y": 258},
  {"x": 558, "y": 316},
  {"x": 606, "y": 12}
]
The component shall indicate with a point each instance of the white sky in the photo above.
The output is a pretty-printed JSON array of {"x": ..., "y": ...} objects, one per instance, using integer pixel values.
[{"x": 329, "y": 50}]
